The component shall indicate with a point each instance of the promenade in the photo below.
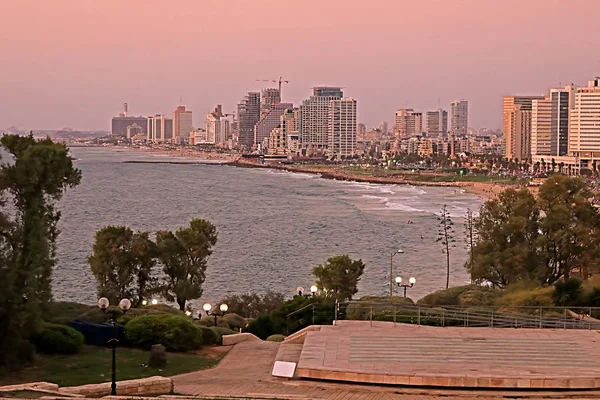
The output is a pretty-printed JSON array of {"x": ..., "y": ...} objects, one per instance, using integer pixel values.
[{"x": 246, "y": 371}]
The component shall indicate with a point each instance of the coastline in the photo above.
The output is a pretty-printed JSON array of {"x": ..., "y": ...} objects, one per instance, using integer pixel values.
[{"x": 485, "y": 190}]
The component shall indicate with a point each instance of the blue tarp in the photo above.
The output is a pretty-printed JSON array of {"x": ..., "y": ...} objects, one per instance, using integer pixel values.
[{"x": 99, "y": 334}]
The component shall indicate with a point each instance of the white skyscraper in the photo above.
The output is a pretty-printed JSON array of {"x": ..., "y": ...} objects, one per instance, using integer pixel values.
[
  {"x": 160, "y": 129},
  {"x": 269, "y": 120},
  {"x": 408, "y": 123},
  {"x": 342, "y": 127},
  {"x": 459, "y": 123},
  {"x": 314, "y": 117},
  {"x": 584, "y": 124}
]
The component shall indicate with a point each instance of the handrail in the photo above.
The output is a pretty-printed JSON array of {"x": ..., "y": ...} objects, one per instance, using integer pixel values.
[{"x": 300, "y": 309}]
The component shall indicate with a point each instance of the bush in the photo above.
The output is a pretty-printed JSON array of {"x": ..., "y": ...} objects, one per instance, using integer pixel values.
[
  {"x": 539, "y": 297},
  {"x": 275, "y": 338},
  {"x": 593, "y": 297},
  {"x": 219, "y": 332},
  {"x": 174, "y": 332},
  {"x": 57, "y": 339},
  {"x": 567, "y": 293},
  {"x": 451, "y": 296},
  {"x": 95, "y": 315},
  {"x": 63, "y": 312},
  {"x": 382, "y": 308},
  {"x": 209, "y": 337},
  {"x": 234, "y": 321}
]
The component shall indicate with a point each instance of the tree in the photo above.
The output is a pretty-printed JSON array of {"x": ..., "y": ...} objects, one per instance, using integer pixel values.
[
  {"x": 446, "y": 236},
  {"x": 251, "y": 305},
  {"x": 339, "y": 277},
  {"x": 507, "y": 227},
  {"x": 122, "y": 263},
  {"x": 31, "y": 184},
  {"x": 570, "y": 228},
  {"x": 184, "y": 256}
]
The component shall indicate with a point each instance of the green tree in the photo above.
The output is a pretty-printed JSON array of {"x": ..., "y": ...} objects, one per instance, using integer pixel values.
[
  {"x": 184, "y": 258},
  {"x": 251, "y": 305},
  {"x": 569, "y": 229},
  {"x": 144, "y": 256},
  {"x": 31, "y": 184},
  {"x": 507, "y": 228},
  {"x": 339, "y": 277}
]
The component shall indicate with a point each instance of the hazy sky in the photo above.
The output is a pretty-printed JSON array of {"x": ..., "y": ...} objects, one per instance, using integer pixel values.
[{"x": 75, "y": 62}]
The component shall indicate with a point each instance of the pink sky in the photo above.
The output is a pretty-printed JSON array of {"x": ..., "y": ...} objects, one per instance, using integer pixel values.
[{"x": 75, "y": 62}]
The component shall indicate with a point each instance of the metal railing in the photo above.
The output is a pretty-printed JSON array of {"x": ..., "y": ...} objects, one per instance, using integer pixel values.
[{"x": 492, "y": 317}]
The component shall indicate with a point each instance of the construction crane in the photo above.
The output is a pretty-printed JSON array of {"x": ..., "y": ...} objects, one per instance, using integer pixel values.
[{"x": 279, "y": 81}]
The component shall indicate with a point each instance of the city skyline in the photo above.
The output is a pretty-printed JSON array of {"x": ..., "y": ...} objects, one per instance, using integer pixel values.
[{"x": 73, "y": 64}]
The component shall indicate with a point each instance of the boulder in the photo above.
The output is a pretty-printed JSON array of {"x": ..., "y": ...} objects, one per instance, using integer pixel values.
[{"x": 158, "y": 356}]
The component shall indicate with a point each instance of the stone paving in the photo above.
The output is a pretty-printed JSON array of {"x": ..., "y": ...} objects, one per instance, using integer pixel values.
[
  {"x": 399, "y": 354},
  {"x": 246, "y": 373}
]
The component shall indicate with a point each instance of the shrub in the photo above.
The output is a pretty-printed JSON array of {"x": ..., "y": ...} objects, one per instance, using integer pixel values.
[
  {"x": 94, "y": 314},
  {"x": 540, "y": 297},
  {"x": 567, "y": 293},
  {"x": 593, "y": 298},
  {"x": 379, "y": 308},
  {"x": 219, "y": 332},
  {"x": 57, "y": 339},
  {"x": 174, "y": 332},
  {"x": 275, "y": 338},
  {"x": 235, "y": 321},
  {"x": 63, "y": 312},
  {"x": 209, "y": 337},
  {"x": 449, "y": 297},
  {"x": 479, "y": 296}
]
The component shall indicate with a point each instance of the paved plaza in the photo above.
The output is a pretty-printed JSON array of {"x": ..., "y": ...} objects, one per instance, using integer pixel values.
[
  {"x": 246, "y": 373},
  {"x": 402, "y": 354}
]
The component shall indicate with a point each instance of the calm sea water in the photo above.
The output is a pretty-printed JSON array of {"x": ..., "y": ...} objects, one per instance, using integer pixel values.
[{"x": 273, "y": 226}]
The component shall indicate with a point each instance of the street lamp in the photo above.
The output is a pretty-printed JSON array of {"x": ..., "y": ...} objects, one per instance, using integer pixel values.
[
  {"x": 124, "y": 306},
  {"x": 392, "y": 269},
  {"x": 411, "y": 283},
  {"x": 207, "y": 307},
  {"x": 314, "y": 289},
  {"x": 154, "y": 302}
]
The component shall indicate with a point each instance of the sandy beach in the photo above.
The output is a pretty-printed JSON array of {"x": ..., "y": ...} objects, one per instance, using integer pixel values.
[{"x": 485, "y": 190}]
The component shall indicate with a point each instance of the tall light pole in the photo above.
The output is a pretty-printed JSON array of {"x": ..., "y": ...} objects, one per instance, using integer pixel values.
[
  {"x": 392, "y": 270},
  {"x": 207, "y": 307}
]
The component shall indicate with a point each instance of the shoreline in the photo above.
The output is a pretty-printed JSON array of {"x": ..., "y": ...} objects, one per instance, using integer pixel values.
[{"x": 485, "y": 190}]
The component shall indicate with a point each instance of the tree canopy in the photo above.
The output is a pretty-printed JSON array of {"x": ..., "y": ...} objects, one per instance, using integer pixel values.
[
  {"x": 31, "y": 183},
  {"x": 541, "y": 240},
  {"x": 339, "y": 277}
]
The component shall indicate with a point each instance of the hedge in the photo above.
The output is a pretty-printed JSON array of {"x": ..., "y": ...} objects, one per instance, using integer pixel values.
[
  {"x": 57, "y": 339},
  {"x": 174, "y": 332}
]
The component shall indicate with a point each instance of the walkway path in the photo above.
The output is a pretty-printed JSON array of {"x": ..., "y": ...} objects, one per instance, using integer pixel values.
[{"x": 246, "y": 372}]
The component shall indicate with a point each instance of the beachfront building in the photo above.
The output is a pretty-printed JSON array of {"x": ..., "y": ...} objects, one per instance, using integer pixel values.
[
  {"x": 248, "y": 115},
  {"x": 517, "y": 114},
  {"x": 182, "y": 123},
  {"x": 342, "y": 128},
  {"x": 159, "y": 129},
  {"x": 314, "y": 118},
  {"x": 269, "y": 121}
]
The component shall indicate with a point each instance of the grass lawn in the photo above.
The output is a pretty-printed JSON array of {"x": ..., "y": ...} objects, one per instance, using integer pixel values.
[{"x": 93, "y": 365}]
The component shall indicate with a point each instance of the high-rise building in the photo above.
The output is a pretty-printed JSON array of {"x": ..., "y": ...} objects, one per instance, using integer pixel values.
[
  {"x": 584, "y": 121},
  {"x": 562, "y": 100},
  {"x": 408, "y": 123},
  {"x": 517, "y": 125},
  {"x": 182, "y": 124},
  {"x": 459, "y": 123},
  {"x": 159, "y": 129},
  {"x": 248, "y": 114},
  {"x": 314, "y": 118},
  {"x": 269, "y": 97},
  {"x": 218, "y": 127},
  {"x": 437, "y": 123},
  {"x": 541, "y": 127},
  {"x": 383, "y": 127},
  {"x": 269, "y": 120},
  {"x": 119, "y": 124},
  {"x": 361, "y": 130},
  {"x": 342, "y": 127},
  {"x": 134, "y": 130}
]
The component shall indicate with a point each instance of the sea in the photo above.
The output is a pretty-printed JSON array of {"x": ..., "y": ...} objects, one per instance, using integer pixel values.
[{"x": 273, "y": 226}]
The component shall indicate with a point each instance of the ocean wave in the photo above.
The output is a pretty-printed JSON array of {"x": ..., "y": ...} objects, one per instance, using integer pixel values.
[
  {"x": 378, "y": 198},
  {"x": 402, "y": 207}
]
